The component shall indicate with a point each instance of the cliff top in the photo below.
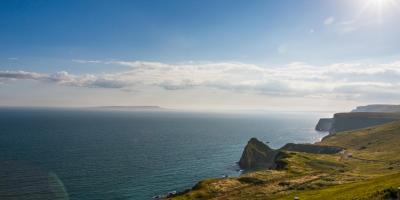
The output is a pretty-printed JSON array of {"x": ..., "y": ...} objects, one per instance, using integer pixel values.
[{"x": 378, "y": 108}]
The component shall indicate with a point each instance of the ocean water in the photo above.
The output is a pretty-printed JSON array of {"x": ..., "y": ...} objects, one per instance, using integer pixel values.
[{"x": 88, "y": 154}]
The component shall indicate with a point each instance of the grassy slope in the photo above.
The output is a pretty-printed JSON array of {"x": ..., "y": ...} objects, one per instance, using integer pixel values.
[
  {"x": 368, "y": 190},
  {"x": 370, "y": 164}
]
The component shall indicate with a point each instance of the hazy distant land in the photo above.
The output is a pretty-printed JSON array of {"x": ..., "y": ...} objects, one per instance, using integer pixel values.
[{"x": 133, "y": 108}]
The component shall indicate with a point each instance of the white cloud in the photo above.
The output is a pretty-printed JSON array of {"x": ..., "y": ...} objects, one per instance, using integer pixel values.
[
  {"x": 343, "y": 27},
  {"x": 341, "y": 80},
  {"x": 329, "y": 20},
  {"x": 87, "y": 61}
]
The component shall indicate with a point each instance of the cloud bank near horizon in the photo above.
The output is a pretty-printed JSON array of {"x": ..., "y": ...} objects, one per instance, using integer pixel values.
[{"x": 349, "y": 81}]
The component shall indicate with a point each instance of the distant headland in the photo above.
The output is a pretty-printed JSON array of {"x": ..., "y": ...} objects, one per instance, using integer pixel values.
[{"x": 361, "y": 117}]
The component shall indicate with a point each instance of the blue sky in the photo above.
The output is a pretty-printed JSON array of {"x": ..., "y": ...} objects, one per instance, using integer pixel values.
[{"x": 92, "y": 49}]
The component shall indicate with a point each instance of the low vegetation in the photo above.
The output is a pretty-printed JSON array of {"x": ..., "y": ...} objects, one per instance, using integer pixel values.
[{"x": 367, "y": 168}]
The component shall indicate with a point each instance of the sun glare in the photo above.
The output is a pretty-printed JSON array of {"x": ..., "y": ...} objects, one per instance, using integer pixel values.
[
  {"x": 379, "y": 2},
  {"x": 380, "y": 5}
]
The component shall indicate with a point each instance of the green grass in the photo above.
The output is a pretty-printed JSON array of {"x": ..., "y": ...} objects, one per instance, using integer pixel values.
[
  {"x": 368, "y": 190},
  {"x": 371, "y": 172}
]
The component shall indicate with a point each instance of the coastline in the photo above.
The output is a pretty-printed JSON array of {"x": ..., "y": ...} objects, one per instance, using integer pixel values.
[
  {"x": 241, "y": 171},
  {"x": 346, "y": 165}
]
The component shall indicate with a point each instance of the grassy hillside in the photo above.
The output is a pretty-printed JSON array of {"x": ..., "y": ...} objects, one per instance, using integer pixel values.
[
  {"x": 368, "y": 168},
  {"x": 384, "y": 187}
]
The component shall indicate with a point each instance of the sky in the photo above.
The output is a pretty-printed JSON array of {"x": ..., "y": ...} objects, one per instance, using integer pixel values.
[{"x": 209, "y": 54}]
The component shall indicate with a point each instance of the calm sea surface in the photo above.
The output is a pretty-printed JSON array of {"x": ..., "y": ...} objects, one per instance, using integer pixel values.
[{"x": 87, "y": 154}]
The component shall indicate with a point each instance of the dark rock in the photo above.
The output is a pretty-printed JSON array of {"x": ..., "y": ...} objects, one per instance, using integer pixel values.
[
  {"x": 257, "y": 155},
  {"x": 324, "y": 124},
  {"x": 353, "y": 121}
]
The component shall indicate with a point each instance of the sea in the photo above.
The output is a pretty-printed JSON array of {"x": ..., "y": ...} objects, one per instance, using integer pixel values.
[{"x": 90, "y": 154}]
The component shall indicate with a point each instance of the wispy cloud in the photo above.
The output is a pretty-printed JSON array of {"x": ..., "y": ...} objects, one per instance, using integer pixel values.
[
  {"x": 342, "y": 27},
  {"x": 329, "y": 20},
  {"x": 341, "y": 80},
  {"x": 87, "y": 61}
]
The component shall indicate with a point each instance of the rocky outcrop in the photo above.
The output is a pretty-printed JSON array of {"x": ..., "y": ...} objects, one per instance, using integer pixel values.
[
  {"x": 324, "y": 124},
  {"x": 257, "y": 155}
]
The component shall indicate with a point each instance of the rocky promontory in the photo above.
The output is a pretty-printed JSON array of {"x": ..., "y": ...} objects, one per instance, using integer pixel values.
[{"x": 257, "y": 155}]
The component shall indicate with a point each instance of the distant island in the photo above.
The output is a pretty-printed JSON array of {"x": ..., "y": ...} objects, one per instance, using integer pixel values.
[
  {"x": 359, "y": 159},
  {"x": 133, "y": 108}
]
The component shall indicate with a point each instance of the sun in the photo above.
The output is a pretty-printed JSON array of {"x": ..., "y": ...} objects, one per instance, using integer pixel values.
[
  {"x": 379, "y": 2},
  {"x": 380, "y": 5}
]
